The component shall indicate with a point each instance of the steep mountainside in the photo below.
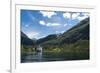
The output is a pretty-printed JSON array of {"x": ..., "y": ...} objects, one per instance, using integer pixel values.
[
  {"x": 48, "y": 38},
  {"x": 25, "y": 40},
  {"x": 78, "y": 32}
]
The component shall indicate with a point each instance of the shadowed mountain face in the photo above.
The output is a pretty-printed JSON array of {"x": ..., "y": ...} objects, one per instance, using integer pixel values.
[
  {"x": 25, "y": 40},
  {"x": 48, "y": 38},
  {"x": 78, "y": 32}
]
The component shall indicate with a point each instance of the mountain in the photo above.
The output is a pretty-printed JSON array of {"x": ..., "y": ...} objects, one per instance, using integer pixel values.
[
  {"x": 47, "y": 38},
  {"x": 25, "y": 40},
  {"x": 76, "y": 33}
]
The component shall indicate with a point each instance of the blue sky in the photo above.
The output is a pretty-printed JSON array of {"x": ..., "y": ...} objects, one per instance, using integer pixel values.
[{"x": 38, "y": 24}]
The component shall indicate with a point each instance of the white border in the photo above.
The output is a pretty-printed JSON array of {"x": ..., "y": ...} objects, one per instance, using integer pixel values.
[{"x": 15, "y": 61}]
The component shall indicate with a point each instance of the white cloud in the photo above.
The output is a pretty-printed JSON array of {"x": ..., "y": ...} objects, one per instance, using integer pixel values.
[
  {"x": 82, "y": 18},
  {"x": 57, "y": 31},
  {"x": 67, "y": 15},
  {"x": 62, "y": 31},
  {"x": 42, "y": 22},
  {"x": 71, "y": 15},
  {"x": 65, "y": 25},
  {"x": 48, "y": 24},
  {"x": 47, "y": 13},
  {"x": 32, "y": 34},
  {"x": 27, "y": 25},
  {"x": 75, "y": 15},
  {"x": 53, "y": 24},
  {"x": 85, "y": 15}
]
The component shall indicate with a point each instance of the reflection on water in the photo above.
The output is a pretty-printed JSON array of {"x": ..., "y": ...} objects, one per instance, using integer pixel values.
[
  {"x": 40, "y": 56},
  {"x": 32, "y": 57}
]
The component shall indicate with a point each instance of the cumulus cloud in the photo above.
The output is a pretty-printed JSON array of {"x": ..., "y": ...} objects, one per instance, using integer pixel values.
[
  {"x": 82, "y": 18},
  {"x": 67, "y": 15},
  {"x": 85, "y": 15},
  {"x": 53, "y": 24},
  {"x": 75, "y": 15},
  {"x": 48, "y": 24},
  {"x": 42, "y": 22},
  {"x": 47, "y": 13},
  {"x": 71, "y": 15}
]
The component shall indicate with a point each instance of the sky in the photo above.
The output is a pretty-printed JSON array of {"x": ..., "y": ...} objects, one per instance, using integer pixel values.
[{"x": 38, "y": 23}]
